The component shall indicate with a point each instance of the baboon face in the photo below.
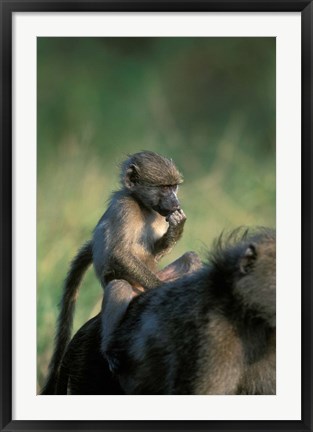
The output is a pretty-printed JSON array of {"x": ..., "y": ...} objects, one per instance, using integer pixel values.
[
  {"x": 153, "y": 180},
  {"x": 163, "y": 199}
]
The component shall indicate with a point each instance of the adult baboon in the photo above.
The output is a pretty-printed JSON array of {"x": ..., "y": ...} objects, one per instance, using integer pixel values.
[
  {"x": 211, "y": 332},
  {"x": 84, "y": 370},
  {"x": 142, "y": 223}
]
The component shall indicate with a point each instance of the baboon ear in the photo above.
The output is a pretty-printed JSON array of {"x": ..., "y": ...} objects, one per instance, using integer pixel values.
[
  {"x": 248, "y": 259},
  {"x": 131, "y": 176}
]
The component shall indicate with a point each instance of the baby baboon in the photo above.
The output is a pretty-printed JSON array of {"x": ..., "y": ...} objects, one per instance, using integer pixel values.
[
  {"x": 211, "y": 332},
  {"x": 84, "y": 370},
  {"x": 142, "y": 223}
]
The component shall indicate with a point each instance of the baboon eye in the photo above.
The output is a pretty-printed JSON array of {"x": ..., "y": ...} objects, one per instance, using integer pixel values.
[{"x": 167, "y": 188}]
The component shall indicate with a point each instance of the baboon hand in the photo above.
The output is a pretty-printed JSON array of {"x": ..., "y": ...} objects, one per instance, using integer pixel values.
[{"x": 177, "y": 218}]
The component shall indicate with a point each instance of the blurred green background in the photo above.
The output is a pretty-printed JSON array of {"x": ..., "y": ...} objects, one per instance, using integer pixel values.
[{"x": 208, "y": 103}]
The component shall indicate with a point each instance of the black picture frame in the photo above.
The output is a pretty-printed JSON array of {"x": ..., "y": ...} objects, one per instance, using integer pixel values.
[{"x": 7, "y": 8}]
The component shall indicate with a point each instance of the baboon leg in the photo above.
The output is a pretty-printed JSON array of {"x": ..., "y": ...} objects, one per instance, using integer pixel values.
[
  {"x": 186, "y": 264},
  {"x": 117, "y": 296}
]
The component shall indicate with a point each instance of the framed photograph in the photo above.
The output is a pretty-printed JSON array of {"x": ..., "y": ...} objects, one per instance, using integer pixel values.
[{"x": 223, "y": 90}]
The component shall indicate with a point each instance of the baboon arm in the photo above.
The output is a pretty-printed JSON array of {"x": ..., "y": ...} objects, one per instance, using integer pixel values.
[
  {"x": 135, "y": 271},
  {"x": 165, "y": 243}
]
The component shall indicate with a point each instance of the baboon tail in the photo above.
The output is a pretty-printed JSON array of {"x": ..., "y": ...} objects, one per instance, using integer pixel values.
[{"x": 78, "y": 267}]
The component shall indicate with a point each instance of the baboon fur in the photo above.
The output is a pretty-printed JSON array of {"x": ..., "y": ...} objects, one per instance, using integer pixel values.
[
  {"x": 142, "y": 223},
  {"x": 84, "y": 370},
  {"x": 211, "y": 332}
]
